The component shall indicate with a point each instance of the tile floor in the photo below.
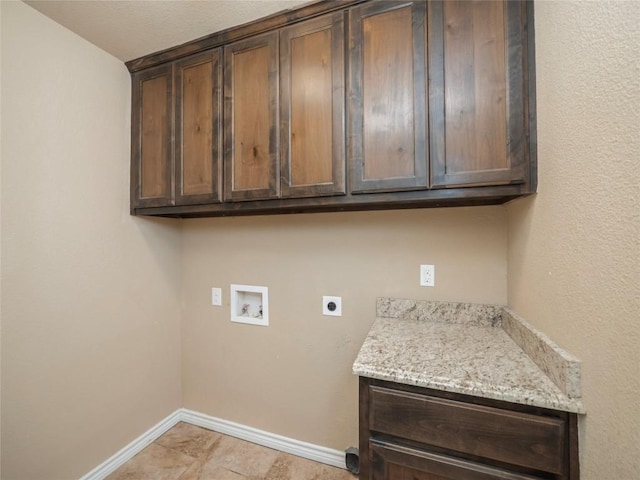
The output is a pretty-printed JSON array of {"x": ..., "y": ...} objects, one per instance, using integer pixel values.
[{"x": 187, "y": 452}]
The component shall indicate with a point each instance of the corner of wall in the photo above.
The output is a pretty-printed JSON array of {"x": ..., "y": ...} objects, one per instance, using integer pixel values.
[{"x": 1, "y": 239}]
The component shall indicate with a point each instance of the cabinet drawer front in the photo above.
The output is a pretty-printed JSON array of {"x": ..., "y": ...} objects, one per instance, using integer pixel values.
[
  {"x": 517, "y": 438},
  {"x": 398, "y": 462}
]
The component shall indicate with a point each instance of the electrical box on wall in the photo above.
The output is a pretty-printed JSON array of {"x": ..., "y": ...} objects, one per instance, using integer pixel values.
[
  {"x": 332, "y": 306},
  {"x": 250, "y": 304},
  {"x": 216, "y": 296},
  {"x": 427, "y": 275}
]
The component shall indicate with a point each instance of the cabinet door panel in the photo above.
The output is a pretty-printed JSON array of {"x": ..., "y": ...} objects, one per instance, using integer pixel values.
[
  {"x": 395, "y": 462},
  {"x": 198, "y": 132},
  {"x": 478, "y": 113},
  {"x": 251, "y": 115},
  {"x": 388, "y": 97},
  {"x": 151, "y": 138},
  {"x": 312, "y": 107}
]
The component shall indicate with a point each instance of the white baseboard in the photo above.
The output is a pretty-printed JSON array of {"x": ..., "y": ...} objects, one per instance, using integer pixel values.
[
  {"x": 127, "y": 453},
  {"x": 277, "y": 442}
]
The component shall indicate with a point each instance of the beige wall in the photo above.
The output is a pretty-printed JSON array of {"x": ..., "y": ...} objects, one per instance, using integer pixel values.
[
  {"x": 294, "y": 377},
  {"x": 0, "y": 244},
  {"x": 90, "y": 308},
  {"x": 90, "y": 304},
  {"x": 573, "y": 251}
]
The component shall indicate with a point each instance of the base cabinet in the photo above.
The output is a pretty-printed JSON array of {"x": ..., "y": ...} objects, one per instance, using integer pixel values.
[{"x": 412, "y": 433}]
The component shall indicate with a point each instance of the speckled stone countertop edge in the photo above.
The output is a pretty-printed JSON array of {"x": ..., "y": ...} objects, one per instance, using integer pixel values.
[
  {"x": 558, "y": 366},
  {"x": 561, "y": 403}
]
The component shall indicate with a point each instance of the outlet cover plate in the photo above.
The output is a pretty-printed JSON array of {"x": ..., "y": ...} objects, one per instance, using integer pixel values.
[
  {"x": 333, "y": 311},
  {"x": 216, "y": 296},
  {"x": 427, "y": 275}
]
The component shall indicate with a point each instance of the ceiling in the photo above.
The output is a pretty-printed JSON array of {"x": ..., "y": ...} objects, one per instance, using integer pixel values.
[{"x": 129, "y": 29}]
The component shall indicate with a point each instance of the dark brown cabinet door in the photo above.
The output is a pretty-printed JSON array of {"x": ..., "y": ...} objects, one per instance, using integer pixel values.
[
  {"x": 312, "y": 107},
  {"x": 388, "y": 97},
  {"x": 395, "y": 462},
  {"x": 477, "y": 92},
  {"x": 198, "y": 133},
  {"x": 151, "y": 145},
  {"x": 349, "y": 105},
  {"x": 251, "y": 167}
]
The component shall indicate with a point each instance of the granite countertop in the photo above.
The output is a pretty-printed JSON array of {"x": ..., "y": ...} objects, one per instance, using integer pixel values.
[{"x": 469, "y": 349}]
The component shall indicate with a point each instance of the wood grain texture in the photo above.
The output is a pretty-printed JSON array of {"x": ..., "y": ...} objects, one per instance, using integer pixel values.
[
  {"x": 471, "y": 196},
  {"x": 475, "y": 85},
  {"x": 388, "y": 95},
  {"x": 311, "y": 119},
  {"x": 151, "y": 142},
  {"x": 312, "y": 107},
  {"x": 251, "y": 113},
  {"x": 155, "y": 121},
  {"x": 432, "y": 186},
  {"x": 198, "y": 132},
  {"x": 395, "y": 462},
  {"x": 251, "y": 119},
  {"x": 364, "y": 428},
  {"x": 478, "y": 113},
  {"x": 515, "y": 438},
  {"x": 409, "y": 430}
]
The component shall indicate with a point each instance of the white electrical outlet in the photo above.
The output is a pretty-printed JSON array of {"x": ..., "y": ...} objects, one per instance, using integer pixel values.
[
  {"x": 216, "y": 296},
  {"x": 332, "y": 306},
  {"x": 427, "y": 275}
]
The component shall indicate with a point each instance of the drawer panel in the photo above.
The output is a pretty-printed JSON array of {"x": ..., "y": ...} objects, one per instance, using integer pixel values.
[
  {"x": 516, "y": 438},
  {"x": 397, "y": 462}
]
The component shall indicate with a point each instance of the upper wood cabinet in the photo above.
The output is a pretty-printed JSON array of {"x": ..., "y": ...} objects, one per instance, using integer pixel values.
[
  {"x": 151, "y": 137},
  {"x": 198, "y": 128},
  {"x": 251, "y": 119},
  {"x": 312, "y": 107},
  {"x": 388, "y": 97},
  {"x": 297, "y": 73},
  {"x": 460, "y": 63},
  {"x": 176, "y": 139},
  {"x": 340, "y": 105},
  {"x": 477, "y": 92}
]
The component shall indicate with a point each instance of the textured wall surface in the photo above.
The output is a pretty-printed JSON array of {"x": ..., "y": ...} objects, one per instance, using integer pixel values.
[
  {"x": 90, "y": 304},
  {"x": 0, "y": 243},
  {"x": 294, "y": 377},
  {"x": 90, "y": 310},
  {"x": 574, "y": 256}
]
